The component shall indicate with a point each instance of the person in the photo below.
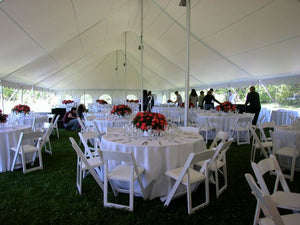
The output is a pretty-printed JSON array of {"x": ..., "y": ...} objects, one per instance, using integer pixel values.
[
  {"x": 70, "y": 119},
  {"x": 231, "y": 97},
  {"x": 194, "y": 97},
  {"x": 145, "y": 100},
  {"x": 209, "y": 100},
  {"x": 150, "y": 101},
  {"x": 80, "y": 110},
  {"x": 254, "y": 101},
  {"x": 200, "y": 100},
  {"x": 212, "y": 93},
  {"x": 178, "y": 98}
]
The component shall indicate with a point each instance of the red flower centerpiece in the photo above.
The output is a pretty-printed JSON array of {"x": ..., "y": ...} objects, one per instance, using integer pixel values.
[
  {"x": 226, "y": 107},
  {"x": 145, "y": 120},
  {"x": 191, "y": 105},
  {"x": 169, "y": 101},
  {"x": 101, "y": 101},
  {"x": 121, "y": 110},
  {"x": 3, "y": 117},
  {"x": 67, "y": 101},
  {"x": 21, "y": 109},
  {"x": 132, "y": 101}
]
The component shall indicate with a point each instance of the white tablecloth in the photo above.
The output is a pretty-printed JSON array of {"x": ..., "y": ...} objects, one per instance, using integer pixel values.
[
  {"x": 9, "y": 137},
  {"x": 221, "y": 121},
  {"x": 103, "y": 124},
  {"x": 287, "y": 135},
  {"x": 159, "y": 155},
  {"x": 282, "y": 116},
  {"x": 28, "y": 120}
]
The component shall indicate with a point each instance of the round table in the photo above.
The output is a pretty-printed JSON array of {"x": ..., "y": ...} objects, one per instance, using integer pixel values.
[
  {"x": 103, "y": 124},
  {"x": 156, "y": 155},
  {"x": 9, "y": 137}
]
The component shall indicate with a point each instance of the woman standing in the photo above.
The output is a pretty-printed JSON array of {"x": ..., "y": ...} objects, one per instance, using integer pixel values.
[{"x": 194, "y": 97}]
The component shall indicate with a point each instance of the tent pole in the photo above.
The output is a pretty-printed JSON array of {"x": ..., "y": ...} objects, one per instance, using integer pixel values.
[
  {"x": 2, "y": 98},
  {"x": 142, "y": 59},
  {"x": 126, "y": 69},
  {"x": 187, "y": 76}
]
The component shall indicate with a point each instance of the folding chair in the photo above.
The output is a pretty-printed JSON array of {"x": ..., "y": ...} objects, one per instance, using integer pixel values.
[
  {"x": 187, "y": 176},
  {"x": 55, "y": 126},
  {"x": 283, "y": 199},
  {"x": 266, "y": 126},
  {"x": 289, "y": 152},
  {"x": 28, "y": 143},
  {"x": 85, "y": 164},
  {"x": 269, "y": 209},
  {"x": 47, "y": 129},
  {"x": 242, "y": 126},
  {"x": 264, "y": 147},
  {"x": 83, "y": 128},
  {"x": 220, "y": 136},
  {"x": 207, "y": 129},
  {"x": 127, "y": 171},
  {"x": 219, "y": 165},
  {"x": 92, "y": 138}
]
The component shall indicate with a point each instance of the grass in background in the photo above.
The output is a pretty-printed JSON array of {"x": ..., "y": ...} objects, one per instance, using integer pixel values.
[{"x": 50, "y": 196}]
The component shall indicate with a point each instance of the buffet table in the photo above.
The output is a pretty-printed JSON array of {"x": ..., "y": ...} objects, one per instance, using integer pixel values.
[
  {"x": 9, "y": 137},
  {"x": 156, "y": 155}
]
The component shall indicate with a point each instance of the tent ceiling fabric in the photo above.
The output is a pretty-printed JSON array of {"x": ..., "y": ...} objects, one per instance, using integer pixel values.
[{"x": 75, "y": 44}]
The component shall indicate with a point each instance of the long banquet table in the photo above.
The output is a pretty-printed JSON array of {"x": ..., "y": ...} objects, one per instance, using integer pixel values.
[
  {"x": 156, "y": 155},
  {"x": 9, "y": 137}
]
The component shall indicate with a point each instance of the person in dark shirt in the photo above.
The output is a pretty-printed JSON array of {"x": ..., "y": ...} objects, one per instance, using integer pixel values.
[
  {"x": 254, "y": 107},
  {"x": 70, "y": 119},
  {"x": 208, "y": 101}
]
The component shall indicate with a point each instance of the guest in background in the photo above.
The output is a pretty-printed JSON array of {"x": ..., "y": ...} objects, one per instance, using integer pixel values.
[
  {"x": 178, "y": 98},
  {"x": 212, "y": 93},
  {"x": 80, "y": 110},
  {"x": 150, "y": 101},
  {"x": 70, "y": 119},
  {"x": 209, "y": 100},
  {"x": 194, "y": 97},
  {"x": 145, "y": 100},
  {"x": 200, "y": 100},
  {"x": 254, "y": 107},
  {"x": 231, "y": 97}
]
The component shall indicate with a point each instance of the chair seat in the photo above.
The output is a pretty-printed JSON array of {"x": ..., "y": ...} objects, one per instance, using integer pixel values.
[
  {"x": 266, "y": 144},
  {"x": 287, "y": 151},
  {"x": 122, "y": 173},
  {"x": 218, "y": 164},
  {"x": 287, "y": 200},
  {"x": 26, "y": 148},
  {"x": 94, "y": 162},
  {"x": 194, "y": 175},
  {"x": 287, "y": 219}
]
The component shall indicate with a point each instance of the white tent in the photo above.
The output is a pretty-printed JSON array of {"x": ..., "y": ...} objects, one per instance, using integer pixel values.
[{"x": 76, "y": 44}]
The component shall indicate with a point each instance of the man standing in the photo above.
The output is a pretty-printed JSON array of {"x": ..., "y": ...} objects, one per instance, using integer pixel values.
[
  {"x": 231, "y": 97},
  {"x": 178, "y": 98},
  {"x": 254, "y": 107}
]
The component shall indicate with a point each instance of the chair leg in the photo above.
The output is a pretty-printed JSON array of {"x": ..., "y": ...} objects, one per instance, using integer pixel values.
[
  {"x": 293, "y": 168},
  {"x": 23, "y": 163},
  {"x": 14, "y": 161}
]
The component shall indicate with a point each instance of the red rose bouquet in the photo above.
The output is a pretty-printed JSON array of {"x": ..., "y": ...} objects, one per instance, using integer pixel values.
[
  {"x": 191, "y": 105},
  {"x": 67, "y": 101},
  {"x": 121, "y": 110},
  {"x": 21, "y": 109},
  {"x": 169, "y": 101},
  {"x": 145, "y": 120},
  {"x": 132, "y": 101},
  {"x": 3, "y": 117},
  {"x": 102, "y": 102},
  {"x": 226, "y": 106}
]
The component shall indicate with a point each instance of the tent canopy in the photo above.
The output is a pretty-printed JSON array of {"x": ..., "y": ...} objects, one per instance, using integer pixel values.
[{"x": 75, "y": 44}]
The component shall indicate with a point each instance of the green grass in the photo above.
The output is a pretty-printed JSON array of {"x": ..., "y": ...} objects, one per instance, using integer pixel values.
[{"x": 50, "y": 196}]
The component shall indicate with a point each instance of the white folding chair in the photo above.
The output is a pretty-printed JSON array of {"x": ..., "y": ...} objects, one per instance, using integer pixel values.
[
  {"x": 127, "y": 171},
  {"x": 207, "y": 129},
  {"x": 187, "y": 176},
  {"x": 283, "y": 199},
  {"x": 241, "y": 129},
  {"x": 194, "y": 130},
  {"x": 28, "y": 143},
  {"x": 219, "y": 166},
  {"x": 221, "y": 136},
  {"x": 92, "y": 138},
  {"x": 55, "y": 126},
  {"x": 272, "y": 216},
  {"x": 286, "y": 151},
  {"x": 83, "y": 127},
  {"x": 85, "y": 164},
  {"x": 264, "y": 147},
  {"x": 266, "y": 127},
  {"x": 47, "y": 129}
]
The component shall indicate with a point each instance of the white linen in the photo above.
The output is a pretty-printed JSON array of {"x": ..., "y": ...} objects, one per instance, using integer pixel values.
[
  {"x": 9, "y": 137},
  {"x": 156, "y": 155},
  {"x": 28, "y": 120},
  {"x": 287, "y": 135},
  {"x": 103, "y": 124},
  {"x": 282, "y": 116}
]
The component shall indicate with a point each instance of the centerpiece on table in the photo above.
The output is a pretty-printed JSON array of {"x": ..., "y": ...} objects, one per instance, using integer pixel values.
[
  {"x": 147, "y": 120},
  {"x": 21, "y": 109},
  {"x": 101, "y": 101},
  {"x": 121, "y": 110},
  {"x": 169, "y": 101},
  {"x": 132, "y": 101},
  {"x": 226, "y": 107},
  {"x": 3, "y": 117},
  {"x": 67, "y": 102},
  {"x": 191, "y": 105}
]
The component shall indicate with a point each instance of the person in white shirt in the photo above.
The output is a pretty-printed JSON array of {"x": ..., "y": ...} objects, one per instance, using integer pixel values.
[{"x": 231, "y": 97}]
